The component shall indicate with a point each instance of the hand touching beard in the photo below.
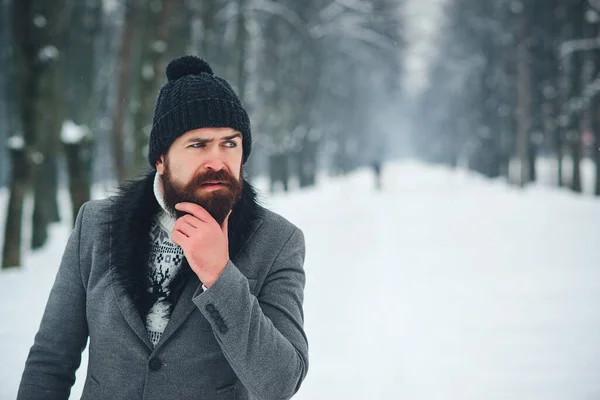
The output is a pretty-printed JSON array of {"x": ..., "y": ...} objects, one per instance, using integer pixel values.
[{"x": 202, "y": 219}]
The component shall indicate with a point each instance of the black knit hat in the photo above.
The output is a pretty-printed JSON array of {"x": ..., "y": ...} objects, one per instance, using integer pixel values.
[{"x": 194, "y": 98}]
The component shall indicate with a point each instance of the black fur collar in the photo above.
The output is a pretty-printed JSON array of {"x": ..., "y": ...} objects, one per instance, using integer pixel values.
[{"x": 130, "y": 217}]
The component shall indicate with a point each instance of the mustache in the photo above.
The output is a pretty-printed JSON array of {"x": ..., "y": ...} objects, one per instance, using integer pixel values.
[{"x": 211, "y": 176}]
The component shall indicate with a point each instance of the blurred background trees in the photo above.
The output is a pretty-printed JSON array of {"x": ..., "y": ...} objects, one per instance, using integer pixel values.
[
  {"x": 79, "y": 80},
  {"x": 511, "y": 82}
]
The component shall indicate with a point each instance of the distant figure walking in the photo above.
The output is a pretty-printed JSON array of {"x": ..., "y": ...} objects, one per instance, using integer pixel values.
[{"x": 376, "y": 165}]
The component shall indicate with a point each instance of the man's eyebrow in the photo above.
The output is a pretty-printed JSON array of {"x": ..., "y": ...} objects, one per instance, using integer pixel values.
[
  {"x": 235, "y": 135},
  {"x": 198, "y": 140},
  {"x": 203, "y": 140}
]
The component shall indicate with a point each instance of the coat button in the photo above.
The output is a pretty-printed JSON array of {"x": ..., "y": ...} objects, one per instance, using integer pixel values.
[
  {"x": 223, "y": 329},
  {"x": 215, "y": 314},
  {"x": 219, "y": 321},
  {"x": 155, "y": 364},
  {"x": 210, "y": 308}
]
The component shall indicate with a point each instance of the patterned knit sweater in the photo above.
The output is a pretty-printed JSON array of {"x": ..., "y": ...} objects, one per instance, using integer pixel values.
[{"x": 165, "y": 260}]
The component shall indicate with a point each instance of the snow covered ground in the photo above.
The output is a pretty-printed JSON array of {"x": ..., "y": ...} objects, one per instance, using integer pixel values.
[{"x": 442, "y": 286}]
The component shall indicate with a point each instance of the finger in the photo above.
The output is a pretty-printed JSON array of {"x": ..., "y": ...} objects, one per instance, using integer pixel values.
[
  {"x": 184, "y": 228},
  {"x": 179, "y": 238},
  {"x": 190, "y": 220},
  {"x": 225, "y": 226},
  {"x": 195, "y": 210}
]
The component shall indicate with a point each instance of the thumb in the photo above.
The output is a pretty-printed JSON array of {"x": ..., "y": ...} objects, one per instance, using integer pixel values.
[{"x": 225, "y": 226}]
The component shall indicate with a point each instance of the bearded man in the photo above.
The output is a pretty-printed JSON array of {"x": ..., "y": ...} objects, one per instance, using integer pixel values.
[{"x": 185, "y": 286}]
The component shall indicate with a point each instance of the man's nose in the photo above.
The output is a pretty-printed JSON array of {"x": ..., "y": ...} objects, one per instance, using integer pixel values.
[{"x": 214, "y": 164}]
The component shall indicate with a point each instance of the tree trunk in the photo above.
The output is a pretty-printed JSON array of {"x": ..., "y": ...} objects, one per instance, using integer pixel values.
[
  {"x": 79, "y": 160},
  {"x": 49, "y": 118},
  {"x": 307, "y": 164},
  {"x": 597, "y": 161},
  {"x": 559, "y": 161},
  {"x": 180, "y": 31},
  {"x": 124, "y": 68},
  {"x": 6, "y": 92},
  {"x": 576, "y": 23},
  {"x": 49, "y": 113},
  {"x": 558, "y": 139},
  {"x": 26, "y": 85},
  {"x": 523, "y": 102},
  {"x": 11, "y": 254},
  {"x": 278, "y": 171},
  {"x": 531, "y": 162},
  {"x": 209, "y": 47},
  {"x": 155, "y": 33},
  {"x": 241, "y": 43},
  {"x": 556, "y": 136},
  {"x": 595, "y": 120},
  {"x": 81, "y": 109},
  {"x": 577, "y": 155},
  {"x": 594, "y": 111}
]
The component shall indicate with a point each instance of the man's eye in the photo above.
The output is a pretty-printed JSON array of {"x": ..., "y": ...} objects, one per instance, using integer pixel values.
[
  {"x": 197, "y": 145},
  {"x": 231, "y": 144}
]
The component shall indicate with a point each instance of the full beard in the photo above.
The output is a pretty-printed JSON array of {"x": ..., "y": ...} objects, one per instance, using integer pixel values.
[{"x": 217, "y": 202}]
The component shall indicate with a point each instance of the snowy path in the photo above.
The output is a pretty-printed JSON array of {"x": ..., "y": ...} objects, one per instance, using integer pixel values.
[
  {"x": 449, "y": 287},
  {"x": 444, "y": 286}
]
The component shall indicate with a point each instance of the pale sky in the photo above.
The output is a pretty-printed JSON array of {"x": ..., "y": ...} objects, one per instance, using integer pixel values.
[{"x": 423, "y": 19}]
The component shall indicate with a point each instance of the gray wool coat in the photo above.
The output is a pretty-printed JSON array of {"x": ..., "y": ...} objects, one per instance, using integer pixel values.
[{"x": 242, "y": 338}]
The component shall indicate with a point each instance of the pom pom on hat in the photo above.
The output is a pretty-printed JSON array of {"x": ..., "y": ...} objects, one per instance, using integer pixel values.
[{"x": 187, "y": 65}]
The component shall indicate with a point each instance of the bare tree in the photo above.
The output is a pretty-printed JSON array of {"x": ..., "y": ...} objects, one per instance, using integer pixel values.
[
  {"x": 301, "y": 77},
  {"x": 524, "y": 90},
  {"x": 36, "y": 34},
  {"x": 575, "y": 30},
  {"x": 85, "y": 22},
  {"x": 153, "y": 28},
  {"x": 594, "y": 112},
  {"x": 124, "y": 72},
  {"x": 49, "y": 114}
]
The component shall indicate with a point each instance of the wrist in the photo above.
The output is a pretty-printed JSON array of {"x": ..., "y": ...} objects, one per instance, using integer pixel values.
[{"x": 208, "y": 281}]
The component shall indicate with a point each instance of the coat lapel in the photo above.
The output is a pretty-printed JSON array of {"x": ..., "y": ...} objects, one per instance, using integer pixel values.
[
  {"x": 132, "y": 316},
  {"x": 124, "y": 301},
  {"x": 182, "y": 310}
]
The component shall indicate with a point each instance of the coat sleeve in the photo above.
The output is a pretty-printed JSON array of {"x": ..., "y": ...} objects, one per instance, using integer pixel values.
[
  {"x": 56, "y": 352},
  {"x": 263, "y": 338}
]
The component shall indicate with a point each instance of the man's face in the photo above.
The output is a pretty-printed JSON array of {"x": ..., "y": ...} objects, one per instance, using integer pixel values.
[{"x": 203, "y": 166}]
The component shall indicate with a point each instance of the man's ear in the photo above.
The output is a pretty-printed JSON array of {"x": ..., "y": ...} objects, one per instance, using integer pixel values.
[{"x": 160, "y": 165}]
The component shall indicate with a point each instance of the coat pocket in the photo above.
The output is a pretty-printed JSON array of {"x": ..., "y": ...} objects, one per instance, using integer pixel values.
[{"x": 226, "y": 393}]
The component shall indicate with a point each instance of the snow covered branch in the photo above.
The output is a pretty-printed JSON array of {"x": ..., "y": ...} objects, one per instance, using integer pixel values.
[
  {"x": 371, "y": 37},
  {"x": 342, "y": 24},
  {"x": 280, "y": 10},
  {"x": 71, "y": 133},
  {"x": 572, "y": 46},
  {"x": 15, "y": 142},
  {"x": 595, "y": 4},
  {"x": 591, "y": 90},
  {"x": 354, "y": 5},
  {"x": 345, "y": 18},
  {"x": 350, "y": 24},
  {"x": 577, "y": 104},
  {"x": 333, "y": 10}
]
